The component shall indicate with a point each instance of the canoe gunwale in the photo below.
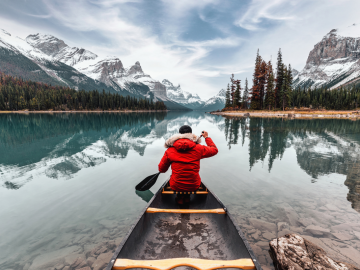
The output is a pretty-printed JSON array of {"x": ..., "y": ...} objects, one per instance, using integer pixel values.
[{"x": 126, "y": 237}]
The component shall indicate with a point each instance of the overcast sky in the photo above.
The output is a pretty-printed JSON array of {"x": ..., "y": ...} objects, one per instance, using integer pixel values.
[{"x": 195, "y": 43}]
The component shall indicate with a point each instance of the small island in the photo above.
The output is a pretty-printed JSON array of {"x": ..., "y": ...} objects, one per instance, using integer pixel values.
[{"x": 277, "y": 95}]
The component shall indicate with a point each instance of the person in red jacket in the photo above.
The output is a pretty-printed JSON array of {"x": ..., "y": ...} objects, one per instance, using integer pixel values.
[{"x": 183, "y": 154}]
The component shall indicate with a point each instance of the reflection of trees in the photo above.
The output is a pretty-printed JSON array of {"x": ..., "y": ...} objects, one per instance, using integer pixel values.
[
  {"x": 322, "y": 146},
  {"x": 266, "y": 136},
  {"x": 271, "y": 136},
  {"x": 232, "y": 130},
  {"x": 353, "y": 183}
]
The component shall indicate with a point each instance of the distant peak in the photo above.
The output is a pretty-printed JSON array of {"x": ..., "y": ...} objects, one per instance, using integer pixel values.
[
  {"x": 167, "y": 82},
  {"x": 294, "y": 72},
  {"x": 5, "y": 32},
  {"x": 36, "y": 38},
  {"x": 135, "y": 69},
  {"x": 48, "y": 44},
  {"x": 222, "y": 92}
]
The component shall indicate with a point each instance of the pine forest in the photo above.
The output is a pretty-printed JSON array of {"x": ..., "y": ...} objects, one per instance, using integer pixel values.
[
  {"x": 273, "y": 90},
  {"x": 18, "y": 94}
]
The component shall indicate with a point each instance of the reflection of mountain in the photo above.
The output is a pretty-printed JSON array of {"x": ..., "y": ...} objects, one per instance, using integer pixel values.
[
  {"x": 322, "y": 146},
  {"x": 60, "y": 145}
]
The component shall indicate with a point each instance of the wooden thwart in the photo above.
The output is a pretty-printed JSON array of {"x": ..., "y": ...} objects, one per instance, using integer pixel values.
[
  {"x": 184, "y": 192},
  {"x": 167, "y": 264},
  {"x": 186, "y": 211}
]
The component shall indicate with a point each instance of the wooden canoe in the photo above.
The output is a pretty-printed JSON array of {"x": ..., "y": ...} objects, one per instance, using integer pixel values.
[{"x": 201, "y": 235}]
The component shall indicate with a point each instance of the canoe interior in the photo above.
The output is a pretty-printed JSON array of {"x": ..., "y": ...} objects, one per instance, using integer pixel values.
[{"x": 164, "y": 236}]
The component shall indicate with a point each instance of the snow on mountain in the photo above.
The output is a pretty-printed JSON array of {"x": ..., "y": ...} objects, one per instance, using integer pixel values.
[
  {"x": 294, "y": 72},
  {"x": 215, "y": 103},
  {"x": 19, "y": 45},
  {"x": 48, "y": 44},
  {"x": 334, "y": 61},
  {"x": 175, "y": 93},
  {"x": 76, "y": 67},
  {"x": 74, "y": 55},
  {"x": 109, "y": 70},
  {"x": 33, "y": 59},
  {"x": 60, "y": 51}
]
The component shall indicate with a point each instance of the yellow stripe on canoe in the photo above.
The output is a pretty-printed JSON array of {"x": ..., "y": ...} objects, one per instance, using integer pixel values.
[
  {"x": 168, "y": 264},
  {"x": 186, "y": 211}
]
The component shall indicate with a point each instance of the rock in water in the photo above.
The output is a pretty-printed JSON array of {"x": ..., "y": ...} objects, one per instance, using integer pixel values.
[{"x": 294, "y": 252}]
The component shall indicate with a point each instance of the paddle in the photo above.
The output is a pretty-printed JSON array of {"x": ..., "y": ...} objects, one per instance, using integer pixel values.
[{"x": 149, "y": 181}]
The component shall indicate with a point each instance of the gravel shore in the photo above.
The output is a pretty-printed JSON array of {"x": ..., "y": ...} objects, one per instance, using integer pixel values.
[{"x": 353, "y": 115}]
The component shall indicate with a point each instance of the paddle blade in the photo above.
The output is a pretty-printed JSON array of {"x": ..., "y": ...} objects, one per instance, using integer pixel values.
[{"x": 147, "y": 183}]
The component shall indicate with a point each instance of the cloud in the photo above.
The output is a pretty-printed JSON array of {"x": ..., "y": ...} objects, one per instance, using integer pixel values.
[
  {"x": 260, "y": 10},
  {"x": 195, "y": 43},
  {"x": 38, "y": 16},
  {"x": 174, "y": 59}
]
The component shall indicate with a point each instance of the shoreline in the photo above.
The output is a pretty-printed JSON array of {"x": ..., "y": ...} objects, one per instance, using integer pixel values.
[
  {"x": 352, "y": 115},
  {"x": 127, "y": 111}
]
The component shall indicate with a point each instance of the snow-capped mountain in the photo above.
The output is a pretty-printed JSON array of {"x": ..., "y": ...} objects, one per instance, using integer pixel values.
[
  {"x": 215, "y": 103},
  {"x": 48, "y": 59},
  {"x": 108, "y": 70},
  {"x": 295, "y": 72},
  {"x": 334, "y": 61},
  {"x": 175, "y": 93},
  {"x": 20, "y": 58}
]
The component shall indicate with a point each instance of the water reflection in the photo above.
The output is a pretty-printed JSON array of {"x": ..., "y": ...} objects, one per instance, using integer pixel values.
[
  {"x": 61, "y": 145},
  {"x": 322, "y": 146},
  {"x": 263, "y": 173},
  {"x": 64, "y": 141},
  {"x": 353, "y": 183}
]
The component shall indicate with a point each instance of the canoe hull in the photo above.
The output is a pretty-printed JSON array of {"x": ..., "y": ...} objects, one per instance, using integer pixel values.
[{"x": 158, "y": 236}]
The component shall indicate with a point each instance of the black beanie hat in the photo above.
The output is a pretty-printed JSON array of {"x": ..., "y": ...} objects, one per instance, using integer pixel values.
[{"x": 185, "y": 129}]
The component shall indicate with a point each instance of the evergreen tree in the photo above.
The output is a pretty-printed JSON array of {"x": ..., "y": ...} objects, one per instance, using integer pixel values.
[
  {"x": 283, "y": 94},
  {"x": 245, "y": 97},
  {"x": 289, "y": 83},
  {"x": 227, "y": 97},
  {"x": 232, "y": 88},
  {"x": 279, "y": 78},
  {"x": 262, "y": 82},
  {"x": 237, "y": 94},
  {"x": 255, "y": 90},
  {"x": 270, "y": 88}
]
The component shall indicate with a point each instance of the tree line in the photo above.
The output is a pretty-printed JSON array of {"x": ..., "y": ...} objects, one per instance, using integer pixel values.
[
  {"x": 343, "y": 98},
  {"x": 18, "y": 94},
  {"x": 274, "y": 90}
]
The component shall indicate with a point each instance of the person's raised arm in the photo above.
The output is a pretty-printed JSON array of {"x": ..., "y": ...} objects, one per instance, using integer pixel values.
[
  {"x": 209, "y": 150},
  {"x": 164, "y": 163}
]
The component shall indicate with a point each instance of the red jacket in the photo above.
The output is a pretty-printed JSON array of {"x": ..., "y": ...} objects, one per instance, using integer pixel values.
[{"x": 183, "y": 154}]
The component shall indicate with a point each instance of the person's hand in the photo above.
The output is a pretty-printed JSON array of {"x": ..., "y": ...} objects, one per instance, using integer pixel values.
[{"x": 205, "y": 134}]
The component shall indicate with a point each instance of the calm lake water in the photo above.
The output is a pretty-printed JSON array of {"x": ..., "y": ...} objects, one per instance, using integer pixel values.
[{"x": 67, "y": 182}]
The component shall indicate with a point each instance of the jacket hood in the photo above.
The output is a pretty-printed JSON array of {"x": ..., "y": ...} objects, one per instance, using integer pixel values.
[{"x": 183, "y": 144}]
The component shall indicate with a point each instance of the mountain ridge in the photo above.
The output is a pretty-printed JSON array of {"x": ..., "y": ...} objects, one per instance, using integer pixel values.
[
  {"x": 48, "y": 59},
  {"x": 334, "y": 61}
]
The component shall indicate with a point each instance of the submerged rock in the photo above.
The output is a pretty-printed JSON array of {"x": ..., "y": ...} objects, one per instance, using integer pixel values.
[{"x": 294, "y": 252}]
